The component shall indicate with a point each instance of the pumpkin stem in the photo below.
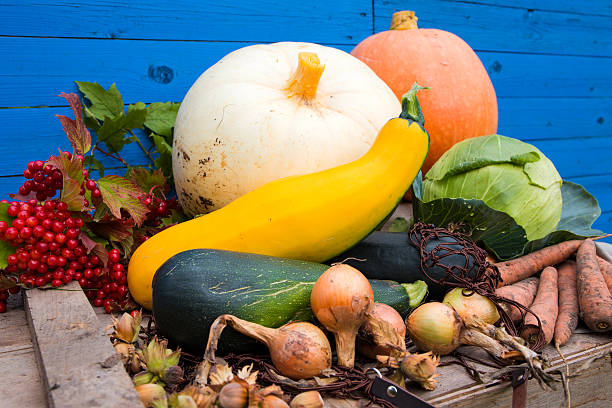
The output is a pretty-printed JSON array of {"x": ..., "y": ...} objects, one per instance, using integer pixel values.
[
  {"x": 306, "y": 78},
  {"x": 404, "y": 20},
  {"x": 411, "y": 108}
]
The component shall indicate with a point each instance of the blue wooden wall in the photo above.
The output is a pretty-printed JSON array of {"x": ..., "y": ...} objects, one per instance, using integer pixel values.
[{"x": 550, "y": 62}]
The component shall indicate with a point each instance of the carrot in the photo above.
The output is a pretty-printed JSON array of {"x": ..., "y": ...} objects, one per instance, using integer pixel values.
[
  {"x": 567, "y": 320},
  {"x": 593, "y": 294},
  {"x": 545, "y": 306},
  {"x": 606, "y": 270},
  {"x": 522, "y": 292},
  {"x": 520, "y": 268}
]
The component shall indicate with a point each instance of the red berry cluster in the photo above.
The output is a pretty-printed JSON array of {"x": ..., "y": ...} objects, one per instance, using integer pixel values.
[
  {"x": 41, "y": 179},
  {"x": 158, "y": 208},
  {"x": 50, "y": 252},
  {"x": 109, "y": 290}
]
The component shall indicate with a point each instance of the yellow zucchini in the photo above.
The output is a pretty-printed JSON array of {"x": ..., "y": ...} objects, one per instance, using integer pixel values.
[{"x": 311, "y": 217}]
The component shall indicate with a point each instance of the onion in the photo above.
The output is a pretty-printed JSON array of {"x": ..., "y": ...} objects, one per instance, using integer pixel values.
[
  {"x": 438, "y": 328},
  {"x": 369, "y": 344},
  {"x": 469, "y": 304},
  {"x": 435, "y": 327},
  {"x": 340, "y": 299},
  {"x": 298, "y": 350}
]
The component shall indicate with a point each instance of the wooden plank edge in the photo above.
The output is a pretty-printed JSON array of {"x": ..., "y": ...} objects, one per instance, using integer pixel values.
[
  {"x": 77, "y": 363},
  {"x": 573, "y": 360}
]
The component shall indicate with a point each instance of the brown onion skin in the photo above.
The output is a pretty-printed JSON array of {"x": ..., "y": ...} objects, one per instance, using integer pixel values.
[
  {"x": 300, "y": 350},
  {"x": 435, "y": 327},
  {"x": 340, "y": 299},
  {"x": 473, "y": 305},
  {"x": 386, "y": 313}
]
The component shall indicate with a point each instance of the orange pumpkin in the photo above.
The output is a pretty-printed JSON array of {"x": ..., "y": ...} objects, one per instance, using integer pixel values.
[{"x": 461, "y": 102}]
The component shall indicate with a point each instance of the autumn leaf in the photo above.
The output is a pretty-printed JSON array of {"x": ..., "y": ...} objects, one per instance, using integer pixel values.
[
  {"x": 147, "y": 179},
  {"x": 75, "y": 129},
  {"x": 95, "y": 245},
  {"x": 6, "y": 283},
  {"x": 120, "y": 193},
  {"x": 117, "y": 232},
  {"x": 72, "y": 172}
]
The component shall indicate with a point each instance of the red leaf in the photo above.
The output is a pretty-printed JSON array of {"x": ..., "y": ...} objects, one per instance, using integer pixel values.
[
  {"x": 117, "y": 232},
  {"x": 120, "y": 193},
  {"x": 72, "y": 171},
  {"x": 75, "y": 129},
  {"x": 94, "y": 247}
]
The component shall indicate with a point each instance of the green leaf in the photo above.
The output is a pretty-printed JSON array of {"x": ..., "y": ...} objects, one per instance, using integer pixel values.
[
  {"x": 497, "y": 231},
  {"x": 164, "y": 161},
  {"x": 94, "y": 164},
  {"x": 112, "y": 133},
  {"x": 147, "y": 179},
  {"x": 4, "y": 213},
  {"x": 175, "y": 217},
  {"x": 120, "y": 193},
  {"x": 400, "y": 224},
  {"x": 103, "y": 104},
  {"x": 136, "y": 115},
  {"x": 161, "y": 117},
  {"x": 6, "y": 249},
  {"x": 90, "y": 120},
  {"x": 72, "y": 172}
]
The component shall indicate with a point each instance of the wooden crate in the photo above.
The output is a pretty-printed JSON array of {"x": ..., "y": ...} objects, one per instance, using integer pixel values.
[{"x": 79, "y": 367}]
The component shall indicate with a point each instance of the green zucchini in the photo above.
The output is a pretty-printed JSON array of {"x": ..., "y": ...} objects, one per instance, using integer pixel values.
[
  {"x": 391, "y": 255},
  {"x": 194, "y": 287}
]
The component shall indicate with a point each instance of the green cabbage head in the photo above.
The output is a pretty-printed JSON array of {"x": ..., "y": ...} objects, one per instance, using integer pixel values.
[{"x": 506, "y": 174}]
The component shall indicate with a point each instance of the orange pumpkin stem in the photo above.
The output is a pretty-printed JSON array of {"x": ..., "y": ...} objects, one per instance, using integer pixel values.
[
  {"x": 305, "y": 80},
  {"x": 404, "y": 20}
]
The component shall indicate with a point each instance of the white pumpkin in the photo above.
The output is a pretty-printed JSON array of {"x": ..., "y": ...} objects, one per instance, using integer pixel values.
[{"x": 258, "y": 115}]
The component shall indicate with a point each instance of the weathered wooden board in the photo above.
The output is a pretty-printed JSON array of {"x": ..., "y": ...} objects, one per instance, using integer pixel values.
[
  {"x": 457, "y": 389},
  {"x": 78, "y": 364},
  {"x": 21, "y": 385}
]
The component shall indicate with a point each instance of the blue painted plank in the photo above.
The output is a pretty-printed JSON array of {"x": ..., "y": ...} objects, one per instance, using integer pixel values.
[
  {"x": 492, "y": 28},
  {"x": 593, "y": 7},
  {"x": 554, "y": 118},
  {"x": 530, "y": 75},
  {"x": 579, "y": 157},
  {"x": 337, "y": 22},
  {"x": 35, "y": 70},
  {"x": 35, "y": 134}
]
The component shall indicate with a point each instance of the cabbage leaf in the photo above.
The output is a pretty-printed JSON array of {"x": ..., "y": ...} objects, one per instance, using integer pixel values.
[{"x": 497, "y": 232}]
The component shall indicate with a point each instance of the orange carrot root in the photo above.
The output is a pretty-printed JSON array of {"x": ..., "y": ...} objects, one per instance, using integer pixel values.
[
  {"x": 567, "y": 320},
  {"x": 522, "y": 292},
  {"x": 593, "y": 294},
  {"x": 521, "y": 268},
  {"x": 606, "y": 270},
  {"x": 545, "y": 306}
]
